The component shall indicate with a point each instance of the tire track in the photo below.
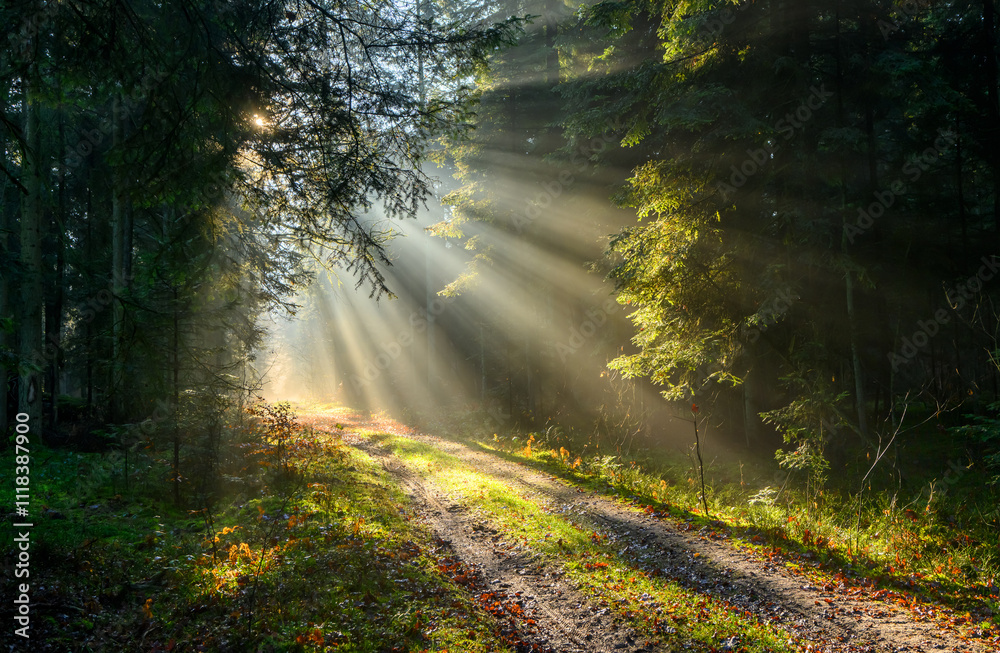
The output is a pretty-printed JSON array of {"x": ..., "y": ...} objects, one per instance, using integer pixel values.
[
  {"x": 845, "y": 623},
  {"x": 831, "y": 616},
  {"x": 557, "y": 616}
]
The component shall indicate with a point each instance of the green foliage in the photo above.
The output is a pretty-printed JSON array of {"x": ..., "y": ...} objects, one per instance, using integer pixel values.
[
  {"x": 191, "y": 161},
  {"x": 984, "y": 431},
  {"x": 808, "y": 423},
  {"x": 338, "y": 561},
  {"x": 742, "y": 189},
  {"x": 277, "y": 427},
  {"x": 936, "y": 543}
]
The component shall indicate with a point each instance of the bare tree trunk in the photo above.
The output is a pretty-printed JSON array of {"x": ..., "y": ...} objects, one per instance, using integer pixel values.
[
  {"x": 5, "y": 303},
  {"x": 751, "y": 419},
  {"x": 429, "y": 294},
  {"x": 852, "y": 318},
  {"x": 429, "y": 298},
  {"x": 54, "y": 305},
  {"x": 960, "y": 186},
  {"x": 482, "y": 365},
  {"x": 119, "y": 254},
  {"x": 859, "y": 379},
  {"x": 89, "y": 332},
  {"x": 529, "y": 392},
  {"x": 31, "y": 300},
  {"x": 993, "y": 79},
  {"x": 176, "y": 370}
]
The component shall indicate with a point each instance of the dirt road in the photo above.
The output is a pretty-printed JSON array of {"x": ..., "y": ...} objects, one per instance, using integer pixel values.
[{"x": 552, "y": 614}]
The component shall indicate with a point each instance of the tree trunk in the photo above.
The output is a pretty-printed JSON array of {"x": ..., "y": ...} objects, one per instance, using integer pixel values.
[
  {"x": 482, "y": 365},
  {"x": 54, "y": 305},
  {"x": 89, "y": 331},
  {"x": 751, "y": 410},
  {"x": 31, "y": 300},
  {"x": 429, "y": 294},
  {"x": 852, "y": 318},
  {"x": 176, "y": 370},
  {"x": 53, "y": 323},
  {"x": 529, "y": 392},
  {"x": 859, "y": 379},
  {"x": 960, "y": 186},
  {"x": 429, "y": 297},
  {"x": 992, "y": 79},
  {"x": 5, "y": 270},
  {"x": 119, "y": 255}
]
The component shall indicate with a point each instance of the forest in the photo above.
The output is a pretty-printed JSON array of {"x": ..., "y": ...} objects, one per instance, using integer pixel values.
[{"x": 500, "y": 325}]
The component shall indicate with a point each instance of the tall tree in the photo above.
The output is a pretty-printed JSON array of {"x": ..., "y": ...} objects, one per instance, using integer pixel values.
[{"x": 31, "y": 298}]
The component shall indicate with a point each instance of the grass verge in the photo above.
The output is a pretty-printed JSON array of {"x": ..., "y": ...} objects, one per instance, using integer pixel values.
[
  {"x": 663, "y": 610},
  {"x": 322, "y": 555},
  {"x": 928, "y": 557}
]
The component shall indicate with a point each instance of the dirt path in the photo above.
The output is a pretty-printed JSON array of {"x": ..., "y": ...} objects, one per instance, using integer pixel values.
[
  {"x": 561, "y": 618},
  {"x": 564, "y": 620}
]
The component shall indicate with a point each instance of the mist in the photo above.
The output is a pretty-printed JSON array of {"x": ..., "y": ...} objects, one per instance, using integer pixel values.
[{"x": 523, "y": 344}]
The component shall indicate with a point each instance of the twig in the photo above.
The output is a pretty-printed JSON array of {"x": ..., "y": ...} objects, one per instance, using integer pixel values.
[{"x": 701, "y": 464}]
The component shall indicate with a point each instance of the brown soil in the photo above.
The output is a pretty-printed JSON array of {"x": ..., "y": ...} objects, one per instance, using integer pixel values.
[{"x": 559, "y": 617}]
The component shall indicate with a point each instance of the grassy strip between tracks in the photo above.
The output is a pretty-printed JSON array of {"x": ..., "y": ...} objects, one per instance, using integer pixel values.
[{"x": 659, "y": 608}]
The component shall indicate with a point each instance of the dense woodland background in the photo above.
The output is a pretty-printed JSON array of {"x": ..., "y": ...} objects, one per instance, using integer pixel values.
[{"x": 796, "y": 204}]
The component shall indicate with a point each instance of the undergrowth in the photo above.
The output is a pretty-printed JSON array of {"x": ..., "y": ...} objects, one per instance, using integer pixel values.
[
  {"x": 316, "y": 551},
  {"x": 938, "y": 540}
]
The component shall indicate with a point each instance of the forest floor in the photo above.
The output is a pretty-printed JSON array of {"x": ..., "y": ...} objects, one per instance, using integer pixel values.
[
  {"x": 569, "y": 569},
  {"x": 358, "y": 534}
]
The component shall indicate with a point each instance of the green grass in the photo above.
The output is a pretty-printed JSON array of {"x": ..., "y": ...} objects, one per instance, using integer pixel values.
[
  {"x": 919, "y": 547},
  {"x": 350, "y": 569},
  {"x": 326, "y": 558},
  {"x": 658, "y": 607}
]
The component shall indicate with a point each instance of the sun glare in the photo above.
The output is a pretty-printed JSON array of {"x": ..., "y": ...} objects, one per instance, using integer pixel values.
[{"x": 532, "y": 311}]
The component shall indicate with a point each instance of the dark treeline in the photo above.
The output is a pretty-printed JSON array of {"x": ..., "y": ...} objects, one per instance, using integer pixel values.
[{"x": 819, "y": 186}]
